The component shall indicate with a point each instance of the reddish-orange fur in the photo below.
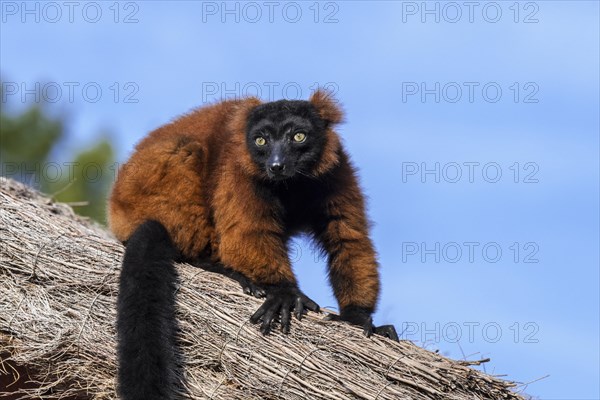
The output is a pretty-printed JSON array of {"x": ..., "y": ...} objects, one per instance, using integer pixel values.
[{"x": 195, "y": 176}]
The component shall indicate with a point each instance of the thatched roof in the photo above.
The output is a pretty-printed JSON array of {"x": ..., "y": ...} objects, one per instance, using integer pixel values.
[{"x": 58, "y": 285}]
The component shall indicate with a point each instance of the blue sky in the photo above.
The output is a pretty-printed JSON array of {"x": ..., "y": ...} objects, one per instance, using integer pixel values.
[{"x": 499, "y": 88}]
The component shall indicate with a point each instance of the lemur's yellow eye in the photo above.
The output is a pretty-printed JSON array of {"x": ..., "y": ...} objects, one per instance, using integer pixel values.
[
  {"x": 260, "y": 141},
  {"x": 299, "y": 137}
]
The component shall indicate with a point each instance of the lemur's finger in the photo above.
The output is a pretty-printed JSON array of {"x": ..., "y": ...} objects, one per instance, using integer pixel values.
[
  {"x": 268, "y": 319},
  {"x": 298, "y": 308},
  {"x": 311, "y": 305},
  {"x": 260, "y": 312},
  {"x": 285, "y": 319}
]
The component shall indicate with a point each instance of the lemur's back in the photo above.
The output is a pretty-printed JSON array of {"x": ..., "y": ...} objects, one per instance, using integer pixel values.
[{"x": 170, "y": 177}]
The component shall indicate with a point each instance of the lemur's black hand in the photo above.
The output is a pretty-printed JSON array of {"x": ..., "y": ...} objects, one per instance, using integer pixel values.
[
  {"x": 361, "y": 316},
  {"x": 282, "y": 300},
  {"x": 388, "y": 331}
]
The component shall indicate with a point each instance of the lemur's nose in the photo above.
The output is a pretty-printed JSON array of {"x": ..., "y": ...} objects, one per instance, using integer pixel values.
[{"x": 277, "y": 167}]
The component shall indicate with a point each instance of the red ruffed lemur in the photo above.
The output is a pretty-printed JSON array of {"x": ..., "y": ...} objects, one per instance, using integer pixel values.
[{"x": 226, "y": 187}]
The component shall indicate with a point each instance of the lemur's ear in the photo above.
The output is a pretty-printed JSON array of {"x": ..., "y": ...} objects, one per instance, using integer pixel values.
[{"x": 328, "y": 107}]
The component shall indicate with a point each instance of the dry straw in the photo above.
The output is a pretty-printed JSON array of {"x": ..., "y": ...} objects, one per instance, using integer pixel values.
[{"x": 58, "y": 284}]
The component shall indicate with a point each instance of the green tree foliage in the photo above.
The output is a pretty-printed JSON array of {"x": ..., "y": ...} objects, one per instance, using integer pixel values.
[
  {"x": 28, "y": 143},
  {"x": 28, "y": 138},
  {"x": 86, "y": 181}
]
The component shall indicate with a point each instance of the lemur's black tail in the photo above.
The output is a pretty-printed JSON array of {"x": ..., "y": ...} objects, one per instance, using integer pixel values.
[{"x": 146, "y": 325}]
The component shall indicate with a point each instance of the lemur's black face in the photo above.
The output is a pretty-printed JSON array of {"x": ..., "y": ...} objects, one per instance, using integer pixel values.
[{"x": 285, "y": 138}]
